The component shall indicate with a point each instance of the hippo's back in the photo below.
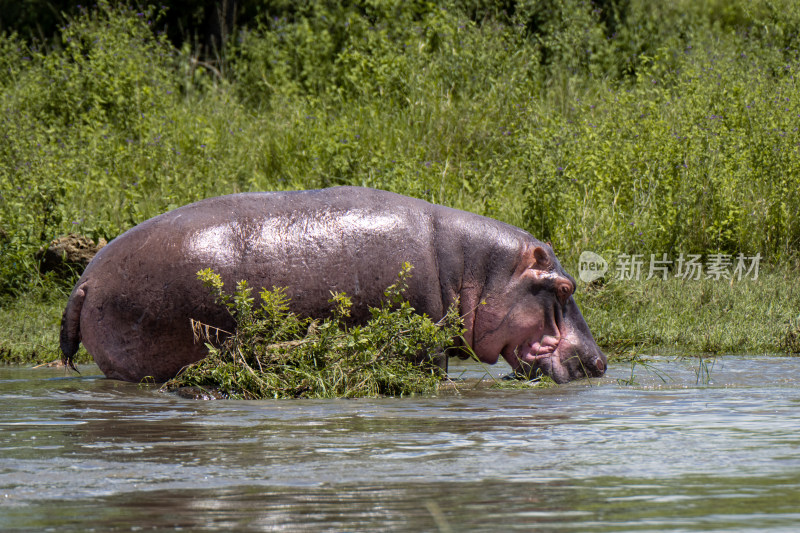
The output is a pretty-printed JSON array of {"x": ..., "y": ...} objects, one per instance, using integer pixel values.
[{"x": 142, "y": 288}]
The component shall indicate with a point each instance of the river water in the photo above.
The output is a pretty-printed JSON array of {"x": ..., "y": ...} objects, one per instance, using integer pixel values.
[{"x": 674, "y": 445}]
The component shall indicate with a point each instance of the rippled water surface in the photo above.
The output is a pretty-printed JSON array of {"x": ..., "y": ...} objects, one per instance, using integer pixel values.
[{"x": 662, "y": 447}]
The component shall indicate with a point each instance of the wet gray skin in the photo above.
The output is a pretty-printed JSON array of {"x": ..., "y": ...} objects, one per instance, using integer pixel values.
[{"x": 132, "y": 306}]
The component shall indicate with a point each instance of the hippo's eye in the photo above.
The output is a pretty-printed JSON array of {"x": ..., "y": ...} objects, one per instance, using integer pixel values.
[{"x": 564, "y": 289}]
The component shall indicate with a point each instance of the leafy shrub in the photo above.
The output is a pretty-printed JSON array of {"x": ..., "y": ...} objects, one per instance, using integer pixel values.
[
  {"x": 275, "y": 354},
  {"x": 64, "y": 114},
  {"x": 700, "y": 157},
  {"x": 110, "y": 68},
  {"x": 609, "y": 125}
]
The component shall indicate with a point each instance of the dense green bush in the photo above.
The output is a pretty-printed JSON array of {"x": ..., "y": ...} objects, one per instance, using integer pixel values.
[
  {"x": 696, "y": 155},
  {"x": 276, "y": 354},
  {"x": 647, "y": 127}
]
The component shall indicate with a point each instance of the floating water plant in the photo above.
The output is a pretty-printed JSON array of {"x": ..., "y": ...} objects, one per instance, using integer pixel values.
[{"x": 273, "y": 353}]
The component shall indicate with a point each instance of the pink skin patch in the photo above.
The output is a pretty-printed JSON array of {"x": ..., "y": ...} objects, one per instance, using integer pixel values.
[
  {"x": 544, "y": 342},
  {"x": 534, "y": 354},
  {"x": 552, "y": 356},
  {"x": 543, "y": 349}
]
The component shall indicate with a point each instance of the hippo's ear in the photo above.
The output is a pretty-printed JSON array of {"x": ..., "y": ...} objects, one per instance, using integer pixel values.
[
  {"x": 541, "y": 259},
  {"x": 535, "y": 258}
]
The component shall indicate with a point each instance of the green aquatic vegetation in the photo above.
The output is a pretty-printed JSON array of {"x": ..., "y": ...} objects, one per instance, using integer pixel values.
[
  {"x": 701, "y": 364},
  {"x": 705, "y": 366},
  {"x": 276, "y": 354},
  {"x": 639, "y": 360},
  {"x": 509, "y": 381},
  {"x": 515, "y": 384}
]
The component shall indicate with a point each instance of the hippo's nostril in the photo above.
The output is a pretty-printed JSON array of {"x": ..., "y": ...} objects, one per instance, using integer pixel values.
[{"x": 601, "y": 367}]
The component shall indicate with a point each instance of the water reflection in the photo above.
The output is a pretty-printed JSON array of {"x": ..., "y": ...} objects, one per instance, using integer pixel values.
[{"x": 674, "y": 454}]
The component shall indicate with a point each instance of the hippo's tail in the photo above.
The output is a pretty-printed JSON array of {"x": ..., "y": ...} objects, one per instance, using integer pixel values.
[{"x": 70, "y": 337}]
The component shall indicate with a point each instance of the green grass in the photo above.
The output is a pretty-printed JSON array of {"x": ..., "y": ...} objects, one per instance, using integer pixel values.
[
  {"x": 637, "y": 127},
  {"x": 29, "y": 328},
  {"x": 689, "y": 317}
]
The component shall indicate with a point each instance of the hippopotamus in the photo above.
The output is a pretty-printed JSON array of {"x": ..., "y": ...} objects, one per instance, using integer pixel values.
[{"x": 133, "y": 305}]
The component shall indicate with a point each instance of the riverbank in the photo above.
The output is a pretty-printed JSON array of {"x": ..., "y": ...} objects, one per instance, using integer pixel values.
[
  {"x": 627, "y": 317},
  {"x": 29, "y": 327},
  {"x": 696, "y": 316},
  {"x": 634, "y": 127}
]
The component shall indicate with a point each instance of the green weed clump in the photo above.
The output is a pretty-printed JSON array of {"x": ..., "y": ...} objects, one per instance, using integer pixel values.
[{"x": 275, "y": 354}]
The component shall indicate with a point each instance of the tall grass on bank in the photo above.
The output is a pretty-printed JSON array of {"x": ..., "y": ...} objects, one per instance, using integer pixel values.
[
  {"x": 695, "y": 316},
  {"x": 652, "y": 128},
  {"x": 627, "y": 126}
]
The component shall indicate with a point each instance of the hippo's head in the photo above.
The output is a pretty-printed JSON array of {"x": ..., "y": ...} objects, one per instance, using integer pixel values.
[{"x": 533, "y": 321}]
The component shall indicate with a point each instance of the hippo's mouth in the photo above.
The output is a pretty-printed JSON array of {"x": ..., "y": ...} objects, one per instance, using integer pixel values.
[
  {"x": 556, "y": 348},
  {"x": 542, "y": 353},
  {"x": 558, "y": 358},
  {"x": 542, "y": 357},
  {"x": 542, "y": 349}
]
